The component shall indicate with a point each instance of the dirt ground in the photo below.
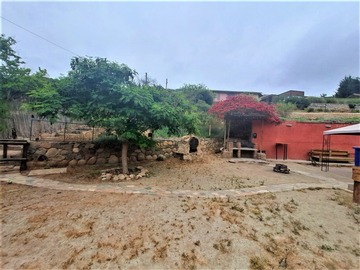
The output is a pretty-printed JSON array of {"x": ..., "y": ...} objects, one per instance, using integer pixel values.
[{"x": 307, "y": 229}]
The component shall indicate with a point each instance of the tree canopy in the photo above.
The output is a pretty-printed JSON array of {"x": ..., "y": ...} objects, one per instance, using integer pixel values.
[
  {"x": 18, "y": 81},
  {"x": 103, "y": 93},
  {"x": 13, "y": 76},
  {"x": 348, "y": 86},
  {"x": 244, "y": 107},
  {"x": 199, "y": 95}
]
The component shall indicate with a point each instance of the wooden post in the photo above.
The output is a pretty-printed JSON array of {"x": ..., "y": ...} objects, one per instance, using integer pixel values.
[
  {"x": 225, "y": 128},
  {"x": 262, "y": 132},
  {"x": 5, "y": 147},
  {"x": 356, "y": 178},
  {"x": 228, "y": 134}
]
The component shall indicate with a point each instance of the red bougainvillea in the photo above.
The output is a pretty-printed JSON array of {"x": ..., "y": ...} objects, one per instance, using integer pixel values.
[{"x": 244, "y": 106}]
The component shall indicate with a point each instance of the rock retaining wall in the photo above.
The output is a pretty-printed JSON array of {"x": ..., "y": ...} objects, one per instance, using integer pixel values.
[{"x": 62, "y": 154}]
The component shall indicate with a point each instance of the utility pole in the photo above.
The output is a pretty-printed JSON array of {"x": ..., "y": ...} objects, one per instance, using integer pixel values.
[
  {"x": 146, "y": 79},
  {"x": 166, "y": 83}
]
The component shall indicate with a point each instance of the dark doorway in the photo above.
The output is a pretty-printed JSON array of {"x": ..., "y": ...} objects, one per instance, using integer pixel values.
[
  {"x": 241, "y": 131},
  {"x": 194, "y": 143}
]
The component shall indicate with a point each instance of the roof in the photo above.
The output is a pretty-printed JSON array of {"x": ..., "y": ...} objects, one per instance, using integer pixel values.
[
  {"x": 348, "y": 130},
  {"x": 237, "y": 92}
]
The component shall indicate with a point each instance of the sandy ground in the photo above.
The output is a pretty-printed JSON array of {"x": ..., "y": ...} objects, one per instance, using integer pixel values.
[
  {"x": 212, "y": 173},
  {"x": 308, "y": 229}
]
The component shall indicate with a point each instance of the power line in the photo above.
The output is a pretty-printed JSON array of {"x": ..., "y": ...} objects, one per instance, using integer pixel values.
[{"x": 31, "y": 32}]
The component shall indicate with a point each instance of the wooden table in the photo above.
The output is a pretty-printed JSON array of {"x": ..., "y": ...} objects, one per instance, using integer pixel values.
[{"x": 25, "y": 146}]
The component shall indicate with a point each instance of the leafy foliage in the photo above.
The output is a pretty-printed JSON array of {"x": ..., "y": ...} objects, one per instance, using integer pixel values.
[
  {"x": 18, "y": 84},
  {"x": 285, "y": 109},
  {"x": 104, "y": 93},
  {"x": 199, "y": 95},
  {"x": 13, "y": 76},
  {"x": 348, "y": 86},
  {"x": 201, "y": 98},
  {"x": 4, "y": 113},
  {"x": 243, "y": 106},
  {"x": 300, "y": 102}
]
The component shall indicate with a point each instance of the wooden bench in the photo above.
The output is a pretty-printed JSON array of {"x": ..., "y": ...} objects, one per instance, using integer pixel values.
[
  {"x": 25, "y": 146},
  {"x": 319, "y": 155}
]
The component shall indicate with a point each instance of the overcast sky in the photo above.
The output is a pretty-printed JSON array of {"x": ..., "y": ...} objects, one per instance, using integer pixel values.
[{"x": 268, "y": 47}]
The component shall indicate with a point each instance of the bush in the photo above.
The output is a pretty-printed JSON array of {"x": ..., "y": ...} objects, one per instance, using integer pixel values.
[
  {"x": 107, "y": 141},
  {"x": 285, "y": 109},
  {"x": 316, "y": 100},
  {"x": 352, "y": 106},
  {"x": 300, "y": 102}
]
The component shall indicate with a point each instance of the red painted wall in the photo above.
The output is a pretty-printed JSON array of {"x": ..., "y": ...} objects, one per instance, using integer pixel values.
[{"x": 300, "y": 137}]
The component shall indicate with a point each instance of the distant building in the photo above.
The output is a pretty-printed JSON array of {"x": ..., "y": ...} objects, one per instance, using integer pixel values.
[
  {"x": 287, "y": 94},
  {"x": 292, "y": 93},
  {"x": 221, "y": 95},
  {"x": 354, "y": 95}
]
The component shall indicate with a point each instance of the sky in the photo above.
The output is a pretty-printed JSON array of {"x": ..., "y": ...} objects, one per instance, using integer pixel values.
[{"x": 267, "y": 47}]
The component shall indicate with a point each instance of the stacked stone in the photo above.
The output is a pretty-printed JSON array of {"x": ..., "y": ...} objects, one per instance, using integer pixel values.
[
  {"x": 63, "y": 154},
  {"x": 110, "y": 175}
]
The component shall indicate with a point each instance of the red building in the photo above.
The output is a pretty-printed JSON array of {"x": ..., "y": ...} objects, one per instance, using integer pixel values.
[{"x": 299, "y": 138}]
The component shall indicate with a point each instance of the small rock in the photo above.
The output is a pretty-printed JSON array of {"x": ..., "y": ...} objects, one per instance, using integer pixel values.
[
  {"x": 144, "y": 171},
  {"x": 121, "y": 177},
  {"x": 108, "y": 176},
  {"x": 131, "y": 176},
  {"x": 140, "y": 156},
  {"x": 91, "y": 161},
  {"x": 113, "y": 159},
  {"x": 116, "y": 178},
  {"x": 161, "y": 158}
]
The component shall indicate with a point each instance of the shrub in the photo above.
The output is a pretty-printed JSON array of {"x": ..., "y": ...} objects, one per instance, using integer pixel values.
[
  {"x": 300, "y": 102},
  {"x": 285, "y": 109},
  {"x": 107, "y": 141},
  {"x": 351, "y": 106}
]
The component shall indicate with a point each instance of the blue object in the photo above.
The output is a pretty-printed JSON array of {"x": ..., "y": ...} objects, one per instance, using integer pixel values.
[{"x": 357, "y": 155}]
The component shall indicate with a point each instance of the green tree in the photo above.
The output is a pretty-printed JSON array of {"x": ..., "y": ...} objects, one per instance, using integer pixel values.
[
  {"x": 13, "y": 77},
  {"x": 348, "y": 86},
  {"x": 16, "y": 80},
  {"x": 44, "y": 97},
  {"x": 202, "y": 99},
  {"x": 104, "y": 93},
  {"x": 199, "y": 95},
  {"x": 300, "y": 102}
]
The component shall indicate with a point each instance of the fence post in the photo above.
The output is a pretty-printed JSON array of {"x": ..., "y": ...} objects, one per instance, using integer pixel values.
[
  {"x": 356, "y": 175},
  {"x": 31, "y": 124},
  {"x": 65, "y": 131}
]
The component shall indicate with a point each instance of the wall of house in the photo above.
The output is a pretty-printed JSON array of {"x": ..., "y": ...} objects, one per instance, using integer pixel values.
[{"x": 300, "y": 137}]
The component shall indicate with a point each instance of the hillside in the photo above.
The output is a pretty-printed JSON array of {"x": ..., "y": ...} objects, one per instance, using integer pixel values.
[{"x": 330, "y": 117}]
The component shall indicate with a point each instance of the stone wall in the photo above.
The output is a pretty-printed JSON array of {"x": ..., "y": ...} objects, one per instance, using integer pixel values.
[{"x": 62, "y": 154}]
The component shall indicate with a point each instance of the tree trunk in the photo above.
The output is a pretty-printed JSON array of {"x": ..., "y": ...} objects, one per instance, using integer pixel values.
[{"x": 124, "y": 161}]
